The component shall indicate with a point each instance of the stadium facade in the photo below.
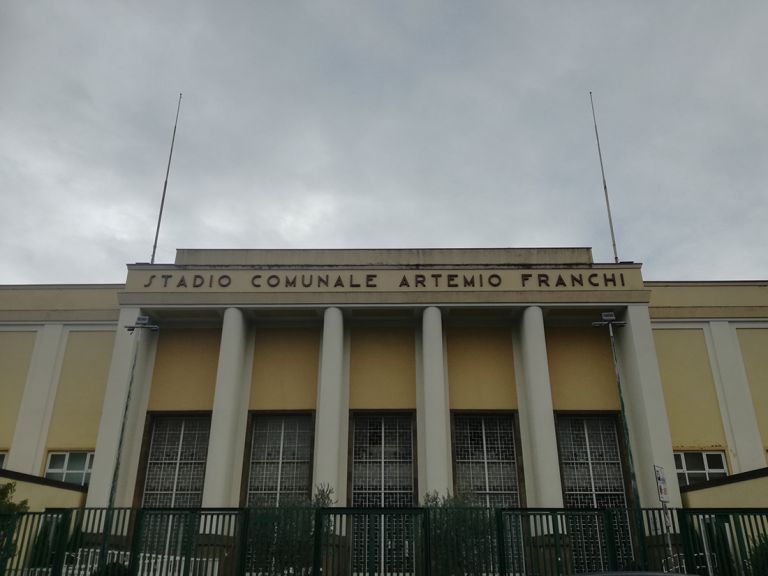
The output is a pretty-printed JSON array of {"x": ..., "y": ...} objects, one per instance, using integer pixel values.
[{"x": 255, "y": 377}]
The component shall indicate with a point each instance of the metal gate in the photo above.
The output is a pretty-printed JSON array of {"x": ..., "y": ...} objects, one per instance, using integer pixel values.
[
  {"x": 557, "y": 542},
  {"x": 370, "y": 542}
]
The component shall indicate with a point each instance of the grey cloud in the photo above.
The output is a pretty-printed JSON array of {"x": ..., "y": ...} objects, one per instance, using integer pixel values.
[{"x": 337, "y": 124}]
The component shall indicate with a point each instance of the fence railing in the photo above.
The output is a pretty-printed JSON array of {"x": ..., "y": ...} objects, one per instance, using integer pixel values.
[{"x": 448, "y": 541}]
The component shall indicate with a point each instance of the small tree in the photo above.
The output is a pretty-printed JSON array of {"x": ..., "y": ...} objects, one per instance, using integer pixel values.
[
  {"x": 462, "y": 534},
  {"x": 9, "y": 511},
  {"x": 281, "y": 539},
  {"x": 323, "y": 496},
  {"x": 7, "y": 505},
  {"x": 759, "y": 557}
]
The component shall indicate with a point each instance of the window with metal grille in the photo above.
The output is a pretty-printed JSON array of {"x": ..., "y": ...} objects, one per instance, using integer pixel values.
[
  {"x": 176, "y": 462},
  {"x": 590, "y": 462},
  {"x": 280, "y": 464},
  {"x": 73, "y": 467},
  {"x": 382, "y": 461},
  {"x": 694, "y": 467},
  {"x": 382, "y": 476},
  {"x": 485, "y": 459}
]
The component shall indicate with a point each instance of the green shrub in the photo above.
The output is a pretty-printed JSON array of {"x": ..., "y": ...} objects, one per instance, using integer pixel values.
[
  {"x": 759, "y": 557},
  {"x": 462, "y": 534},
  {"x": 7, "y": 505},
  {"x": 9, "y": 511}
]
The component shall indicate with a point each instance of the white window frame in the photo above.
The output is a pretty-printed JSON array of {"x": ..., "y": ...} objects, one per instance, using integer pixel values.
[
  {"x": 64, "y": 470},
  {"x": 684, "y": 471}
]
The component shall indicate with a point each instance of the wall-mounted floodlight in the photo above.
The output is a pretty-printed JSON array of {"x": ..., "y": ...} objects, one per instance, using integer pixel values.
[
  {"x": 609, "y": 319},
  {"x": 143, "y": 322}
]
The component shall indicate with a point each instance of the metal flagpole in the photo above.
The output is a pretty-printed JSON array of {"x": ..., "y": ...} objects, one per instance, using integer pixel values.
[
  {"x": 165, "y": 185},
  {"x": 605, "y": 186}
]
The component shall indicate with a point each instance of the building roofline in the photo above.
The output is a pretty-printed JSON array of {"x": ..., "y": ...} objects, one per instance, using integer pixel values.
[
  {"x": 675, "y": 283},
  {"x": 60, "y": 286}
]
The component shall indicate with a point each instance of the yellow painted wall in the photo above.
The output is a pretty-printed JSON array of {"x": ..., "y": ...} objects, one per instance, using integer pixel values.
[
  {"x": 285, "y": 369},
  {"x": 581, "y": 369},
  {"x": 80, "y": 394},
  {"x": 40, "y": 496},
  {"x": 382, "y": 371},
  {"x": 746, "y": 494},
  {"x": 708, "y": 299},
  {"x": 63, "y": 303},
  {"x": 754, "y": 350},
  {"x": 689, "y": 389},
  {"x": 185, "y": 369},
  {"x": 15, "y": 354},
  {"x": 481, "y": 369}
]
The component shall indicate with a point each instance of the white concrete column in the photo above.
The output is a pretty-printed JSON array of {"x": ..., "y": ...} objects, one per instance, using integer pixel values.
[
  {"x": 226, "y": 444},
  {"x": 537, "y": 419},
  {"x": 28, "y": 447},
  {"x": 332, "y": 410},
  {"x": 735, "y": 398},
  {"x": 646, "y": 411},
  {"x": 128, "y": 383},
  {"x": 432, "y": 410}
]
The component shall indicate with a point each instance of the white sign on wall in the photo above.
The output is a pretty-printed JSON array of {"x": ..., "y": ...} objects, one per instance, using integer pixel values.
[{"x": 661, "y": 484}]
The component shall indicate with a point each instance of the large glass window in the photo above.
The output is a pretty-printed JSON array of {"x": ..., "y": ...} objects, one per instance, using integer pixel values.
[
  {"x": 382, "y": 461},
  {"x": 383, "y": 476},
  {"x": 280, "y": 464},
  {"x": 694, "y": 467},
  {"x": 73, "y": 467},
  {"x": 485, "y": 459},
  {"x": 176, "y": 462},
  {"x": 590, "y": 462},
  {"x": 591, "y": 468}
]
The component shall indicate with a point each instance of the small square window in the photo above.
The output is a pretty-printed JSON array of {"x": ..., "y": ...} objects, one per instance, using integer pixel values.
[
  {"x": 72, "y": 467},
  {"x": 715, "y": 461},
  {"x": 77, "y": 461},
  {"x": 695, "y": 467},
  {"x": 694, "y": 461},
  {"x": 57, "y": 461}
]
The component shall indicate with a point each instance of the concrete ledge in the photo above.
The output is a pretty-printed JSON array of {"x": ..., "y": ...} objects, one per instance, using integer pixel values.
[
  {"x": 394, "y": 256},
  {"x": 745, "y": 490},
  {"x": 42, "y": 493}
]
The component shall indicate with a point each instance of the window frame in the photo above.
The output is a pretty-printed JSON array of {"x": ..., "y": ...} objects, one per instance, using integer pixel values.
[
  {"x": 706, "y": 471},
  {"x": 519, "y": 464},
  {"x": 252, "y": 416},
  {"x": 623, "y": 452},
  {"x": 64, "y": 470},
  {"x": 414, "y": 447},
  {"x": 3, "y": 458},
  {"x": 151, "y": 418}
]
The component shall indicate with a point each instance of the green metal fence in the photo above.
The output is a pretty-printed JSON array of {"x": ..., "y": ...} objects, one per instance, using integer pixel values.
[{"x": 448, "y": 541}]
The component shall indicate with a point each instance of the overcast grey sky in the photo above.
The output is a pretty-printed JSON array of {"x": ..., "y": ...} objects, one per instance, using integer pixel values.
[{"x": 382, "y": 124}]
